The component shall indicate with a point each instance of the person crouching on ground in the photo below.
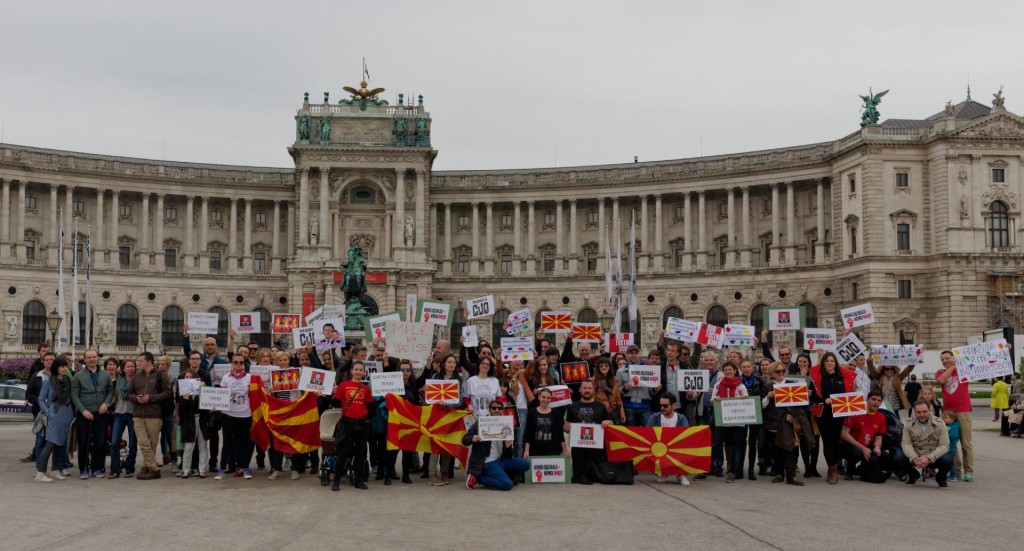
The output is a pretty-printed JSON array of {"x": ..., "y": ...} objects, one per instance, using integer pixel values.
[{"x": 492, "y": 464}]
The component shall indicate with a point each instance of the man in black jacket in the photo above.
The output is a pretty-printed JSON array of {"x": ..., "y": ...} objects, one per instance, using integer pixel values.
[
  {"x": 491, "y": 463},
  {"x": 34, "y": 386}
]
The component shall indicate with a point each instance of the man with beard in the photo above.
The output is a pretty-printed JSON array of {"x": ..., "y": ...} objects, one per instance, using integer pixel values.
[{"x": 586, "y": 410}]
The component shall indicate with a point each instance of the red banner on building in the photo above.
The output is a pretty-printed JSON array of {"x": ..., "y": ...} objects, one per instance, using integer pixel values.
[
  {"x": 371, "y": 277},
  {"x": 308, "y": 304}
]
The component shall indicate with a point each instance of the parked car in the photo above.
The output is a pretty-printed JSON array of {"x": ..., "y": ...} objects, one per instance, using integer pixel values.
[{"x": 12, "y": 399}]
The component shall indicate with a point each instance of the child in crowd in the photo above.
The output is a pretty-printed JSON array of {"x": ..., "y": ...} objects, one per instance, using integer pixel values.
[{"x": 952, "y": 420}]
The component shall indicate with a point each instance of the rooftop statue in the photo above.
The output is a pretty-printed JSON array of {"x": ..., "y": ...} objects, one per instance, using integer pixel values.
[
  {"x": 870, "y": 107},
  {"x": 363, "y": 96}
]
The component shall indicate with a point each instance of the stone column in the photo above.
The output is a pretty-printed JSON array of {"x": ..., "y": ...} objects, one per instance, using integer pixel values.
[
  {"x": 730, "y": 222},
  {"x": 435, "y": 238},
  {"x": 702, "y": 233},
  {"x": 421, "y": 197},
  {"x": 115, "y": 220},
  {"x": 69, "y": 214},
  {"x": 489, "y": 249},
  {"x": 144, "y": 253},
  {"x": 325, "y": 203},
  {"x": 601, "y": 229},
  {"x": 776, "y": 248},
  {"x": 616, "y": 227},
  {"x": 659, "y": 241},
  {"x": 559, "y": 233},
  {"x": 517, "y": 238},
  {"x": 204, "y": 225},
  {"x": 5, "y": 220},
  {"x": 643, "y": 265},
  {"x": 790, "y": 225},
  {"x": 19, "y": 236},
  {"x": 247, "y": 247},
  {"x": 819, "y": 246},
  {"x": 531, "y": 241},
  {"x": 690, "y": 257},
  {"x": 190, "y": 241},
  {"x": 232, "y": 256},
  {"x": 275, "y": 241},
  {"x": 448, "y": 221},
  {"x": 289, "y": 234},
  {"x": 158, "y": 235},
  {"x": 399, "y": 231},
  {"x": 747, "y": 241},
  {"x": 574, "y": 246},
  {"x": 303, "y": 208},
  {"x": 99, "y": 245},
  {"x": 474, "y": 261}
]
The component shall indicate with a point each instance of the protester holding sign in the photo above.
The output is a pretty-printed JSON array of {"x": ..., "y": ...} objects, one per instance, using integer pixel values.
[
  {"x": 861, "y": 440},
  {"x": 730, "y": 386},
  {"x": 606, "y": 390},
  {"x": 543, "y": 434},
  {"x": 589, "y": 411},
  {"x": 636, "y": 399},
  {"x": 788, "y": 428},
  {"x": 830, "y": 378},
  {"x": 755, "y": 387},
  {"x": 448, "y": 370},
  {"x": 957, "y": 398},
  {"x": 193, "y": 424},
  {"x": 355, "y": 399},
  {"x": 238, "y": 446},
  {"x": 890, "y": 379},
  {"x": 491, "y": 463}
]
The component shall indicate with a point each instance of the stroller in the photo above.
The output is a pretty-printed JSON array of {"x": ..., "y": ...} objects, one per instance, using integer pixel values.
[
  {"x": 328, "y": 420},
  {"x": 891, "y": 442}
]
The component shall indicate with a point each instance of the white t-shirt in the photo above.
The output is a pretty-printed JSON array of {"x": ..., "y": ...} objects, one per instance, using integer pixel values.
[
  {"x": 481, "y": 392},
  {"x": 239, "y": 395},
  {"x": 668, "y": 421}
]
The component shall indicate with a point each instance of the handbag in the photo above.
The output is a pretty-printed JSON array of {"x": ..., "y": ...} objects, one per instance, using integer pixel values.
[
  {"x": 608, "y": 472},
  {"x": 39, "y": 424}
]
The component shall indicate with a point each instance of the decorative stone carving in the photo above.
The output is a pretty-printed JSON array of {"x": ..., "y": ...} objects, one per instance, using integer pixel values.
[
  {"x": 410, "y": 190},
  {"x": 363, "y": 241},
  {"x": 998, "y": 100},
  {"x": 961, "y": 175},
  {"x": 964, "y": 213},
  {"x": 999, "y": 126},
  {"x": 949, "y": 110},
  {"x": 410, "y": 231},
  {"x": 999, "y": 192},
  {"x": 12, "y": 328}
]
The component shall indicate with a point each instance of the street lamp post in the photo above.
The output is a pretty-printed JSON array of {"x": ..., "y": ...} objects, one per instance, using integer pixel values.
[
  {"x": 145, "y": 339},
  {"x": 53, "y": 322},
  {"x": 907, "y": 334},
  {"x": 606, "y": 320}
]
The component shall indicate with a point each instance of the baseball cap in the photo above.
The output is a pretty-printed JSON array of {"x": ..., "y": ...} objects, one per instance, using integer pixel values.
[{"x": 633, "y": 348}]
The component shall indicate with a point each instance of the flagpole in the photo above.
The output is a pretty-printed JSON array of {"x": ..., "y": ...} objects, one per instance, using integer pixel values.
[
  {"x": 632, "y": 274},
  {"x": 618, "y": 286},
  {"x": 73, "y": 340},
  {"x": 88, "y": 289},
  {"x": 58, "y": 346}
]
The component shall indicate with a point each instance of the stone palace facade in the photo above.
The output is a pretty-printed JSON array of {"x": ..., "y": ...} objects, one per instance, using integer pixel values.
[{"x": 918, "y": 217}]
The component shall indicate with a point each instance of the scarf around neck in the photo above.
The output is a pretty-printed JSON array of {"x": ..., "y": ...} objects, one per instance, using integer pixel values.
[{"x": 727, "y": 386}]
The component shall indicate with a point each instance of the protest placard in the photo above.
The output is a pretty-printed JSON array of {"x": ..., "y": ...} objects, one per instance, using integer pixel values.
[
  {"x": 302, "y": 337},
  {"x": 696, "y": 380},
  {"x": 284, "y": 379},
  {"x": 201, "y": 323},
  {"x": 214, "y": 397},
  {"x": 376, "y": 327},
  {"x": 586, "y": 435},
  {"x": 849, "y": 348},
  {"x": 645, "y": 376},
  {"x": 820, "y": 337},
  {"x": 188, "y": 387},
  {"x": 409, "y": 340},
  {"x": 441, "y": 391},
  {"x": 520, "y": 321},
  {"x": 574, "y": 372},
  {"x": 734, "y": 412},
  {"x": 382, "y": 384},
  {"x": 899, "y": 355},
  {"x": 555, "y": 322},
  {"x": 480, "y": 307},
  {"x": 516, "y": 348},
  {"x": 470, "y": 337},
  {"x": 783, "y": 319},
  {"x": 710, "y": 335},
  {"x": 436, "y": 312},
  {"x": 319, "y": 381},
  {"x": 618, "y": 342},
  {"x": 495, "y": 428},
  {"x": 262, "y": 371},
  {"x": 738, "y": 335},
  {"x": 245, "y": 322},
  {"x": 586, "y": 332},
  {"x": 848, "y": 404},
  {"x": 791, "y": 394},
  {"x": 370, "y": 367},
  {"x": 983, "y": 360},
  {"x": 681, "y": 330},
  {"x": 218, "y": 371},
  {"x": 855, "y": 316},
  {"x": 284, "y": 324},
  {"x": 560, "y": 395},
  {"x": 550, "y": 469},
  {"x": 174, "y": 371},
  {"x": 328, "y": 333}
]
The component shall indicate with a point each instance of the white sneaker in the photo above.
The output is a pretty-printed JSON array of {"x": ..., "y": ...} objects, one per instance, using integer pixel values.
[
  {"x": 56, "y": 475},
  {"x": 683, "y": 481},
  {"x": 662, "y": 479},
  {"x": 41, "y": 477},
  {"x": 220, "y": 475}
]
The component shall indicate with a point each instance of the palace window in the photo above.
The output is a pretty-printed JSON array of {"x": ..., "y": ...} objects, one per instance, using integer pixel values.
[
  {"x": 903, "y": 237},
  {"x": 215, "y": 261},
  {"x": 124, "y": 256},
  {"x": 549, "y": 262},
  {"x": 679, "y": 213},
  {"x": 463, "y": 221},
  {"x": 767, "y": 205},
  {"x": 506, "y": 263},
  {"x": 506, "y": 221},
  {"x": 171, "y": 258},
  {"x": 363, "y": 196},
  {"x": 78, "y": 207},
  {"x": 30, "y": 202},
  {"x": 998, "y": 224},
  {"x": 259, "y": 261},
  {"x": 259, "y": 219},
  {"x": 998, "y": 175},
  {"x": 853, "y": 240},
  {"x": 462, "y": 263},
  {"x": 903, "y": 288},
  {"x": 124, "y": 210},
  {"x": 592, "y": 218},
  {"x": 549, "y": 219},
  {"x": 902, "y": 179},
  {"x": 216, "y": 216},
  {"x": 853, "y": 184}
]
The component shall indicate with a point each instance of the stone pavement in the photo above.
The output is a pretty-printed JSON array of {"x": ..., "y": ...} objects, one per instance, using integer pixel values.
[{"x": 285, "y": 514}]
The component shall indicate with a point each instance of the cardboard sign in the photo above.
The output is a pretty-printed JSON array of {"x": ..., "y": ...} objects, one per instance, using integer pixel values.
[
  {"x": 784, "y": 319},
  {"x": 326, "y": 311},
  {"x": 469, "y": 336},
  {"x": 681, "y": 330},
  {"x": 409, "y": 340},
  {"x": 575, "y": 372},
  {"x": 586, "y": 436},
  {"x": 520, "y": 321},
  {"x": 899, "y": 355},
  {"x": 556, "y": 322},
  {"x": 376, "y": 327},
  {"x": 696, "y": 380},
  {"x": 284, "y": 379},
  {"x": 855, "y": 316},
  {"x": 617, "y": 342},
  {"x": 174, "y": 371},
  {"x": 480, "y": 307},
  {"x": 735, "y": 412},
  {"x": 495, "y": 428},
  {"x": 791, "y": 394},
  {"x": 318, "y": 381},
  {"x": 218, "y": 371},
  {"x": 645, "y": 376},
  {"x": 245, "y": 322},
  {"x": 328, "y": 333},
  {"x": 262, "y": 371},
  {"x": 586, "y": 332},
  {"x": 848, "y": 404},
  {"x": 849, "y": 348},
  {"x": 214, "y": 397},
  {"x": 516, "y": 348},
  {"x": 710, "y": 335},
  {"x": 560, "y": 395},
  {"x": 441, "y": 391},
  {"x": 302, "y": 337},
  {"x": 820, "y": 337},
  {"x": 188, "y": 387},
  {"x": 203, "y": 322},
  {"x": 382, "y": 384},
  {"x": 283, "y": 324},
  {"x": 435, "y": 312},
  {"x": 370, "y": 367},
  {"x": 984, "y": 360},
  {"x": 549, "y": 470},
  {"x": 739, "y": 335}
]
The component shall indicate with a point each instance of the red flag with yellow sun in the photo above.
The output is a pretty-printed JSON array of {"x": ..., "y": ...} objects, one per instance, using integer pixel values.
[
  {"x": 433, "y": 429},
  {"x": 664, "y": 451},
  {"x": 295, "y": 426},
  {"x": 848, "y": 404}
]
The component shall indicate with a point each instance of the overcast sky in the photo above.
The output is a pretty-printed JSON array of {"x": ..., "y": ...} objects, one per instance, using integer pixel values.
[{"x": 508, "y": 84}]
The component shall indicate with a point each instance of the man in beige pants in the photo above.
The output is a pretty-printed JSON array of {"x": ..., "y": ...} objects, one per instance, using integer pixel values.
[{"x": 148, "y": 389}]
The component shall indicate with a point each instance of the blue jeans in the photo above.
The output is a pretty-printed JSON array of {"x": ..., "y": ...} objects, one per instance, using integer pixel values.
[
  {"x": 942, "y": 465},
  {"x": 121, "y": 422},
  {"x": 522, "y": 413},
  {"x": 40, "y": 442},
  {"x": 497, "y": 473},
  {"x": 167, "y": 437},
  {"x": 637, "y": 417}
]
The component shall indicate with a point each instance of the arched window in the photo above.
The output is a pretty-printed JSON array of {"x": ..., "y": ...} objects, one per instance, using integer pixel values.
[
  {"x": 127, "y": 326},
  {"x": 172, "y": 325},
  {"x": 33, "y": 323},
  {"x": 83, "y": 318},
  {"x": 671, "y": 312},
  {"x": 624, "y": 326},
  {"x": 536, "y": 318},
  {"x": 810, "y": 320},
  {"x": 458, "y": 322},
  {"x": 222, "y": 325},
  {"x": 498, "y": 325},
  {"x": 363, "y": 196},
  {"x": 587, "y": 315},
  {"x": 998, "y": 225},
  {"x": 717, "y": 316},
  {"x": 757, "y": 319},
  {"x": 264, "y": 337}
]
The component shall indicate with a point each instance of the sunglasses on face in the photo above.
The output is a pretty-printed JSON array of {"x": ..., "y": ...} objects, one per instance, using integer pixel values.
[
  {"x": 237, "y": 363},
  {"x": 666, "y": 406},
  {"x": 495, "y": 408},
  {"x": 779, "y": 371},
  {"x": 406, "y": 370}
]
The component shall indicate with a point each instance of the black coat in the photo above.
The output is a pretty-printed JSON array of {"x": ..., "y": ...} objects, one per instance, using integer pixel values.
[
  {"x": 187, "y": 411},
  {"x": 478, "y": 451}
]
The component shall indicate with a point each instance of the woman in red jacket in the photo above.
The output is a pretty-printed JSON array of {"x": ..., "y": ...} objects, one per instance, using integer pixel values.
[
  {"x": 354, "y": 398},
  {"x": 829, "y": 378}
]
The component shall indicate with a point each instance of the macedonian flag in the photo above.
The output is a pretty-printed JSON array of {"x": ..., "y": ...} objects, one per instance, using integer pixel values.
[
  {"x": 586, "y": 332},
  {"x": 556, "y": 322},
  {"x": 664, "y": 451},
  {"x": 441, "y": 391},
  {"x": 848, "y": 404},
  {"x": 791, "y": 395},
  {"x": 295, "y": 426},
  {"x": 432, "y": 429}
]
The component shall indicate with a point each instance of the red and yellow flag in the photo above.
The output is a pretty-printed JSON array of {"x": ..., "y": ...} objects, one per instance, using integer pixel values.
[
  {"x": 791, "y": 395},
  {"x": 285, "y": 323},
  {"x": 441, "y": 392},
  {"x": 664, "y": 451},
  {"x": 556, "y": 321},
  {"x": 848, "y": 404},
  {"x": 433, "y": 429},
  {"x": 295, "y": 426},
  {"x": 586, "y": 332}
]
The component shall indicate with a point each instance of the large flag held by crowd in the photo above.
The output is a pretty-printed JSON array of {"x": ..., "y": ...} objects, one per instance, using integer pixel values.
[
  {"x": 295, "y": 426},
  {"x": 431, "y": 429},
  {"x": 664, "y": 451}
]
